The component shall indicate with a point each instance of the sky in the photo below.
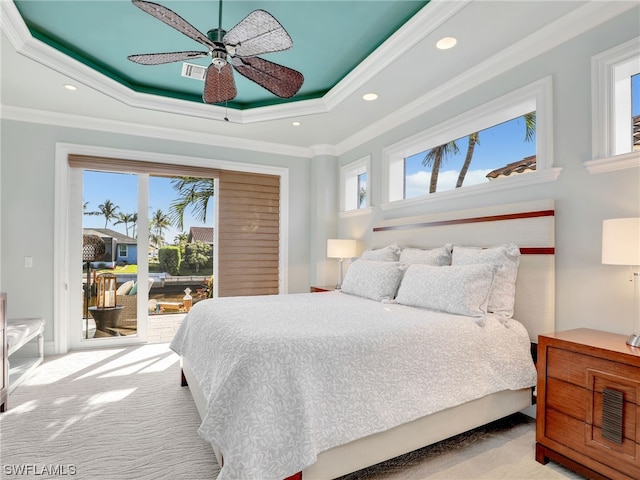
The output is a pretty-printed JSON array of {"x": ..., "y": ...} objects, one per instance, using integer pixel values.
[
  {"x": 498, "y": 146},
  {"x": 122, "y": 190}
]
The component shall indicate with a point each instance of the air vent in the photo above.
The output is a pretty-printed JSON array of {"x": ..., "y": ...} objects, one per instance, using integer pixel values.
[{"x": 197, "y": 72}]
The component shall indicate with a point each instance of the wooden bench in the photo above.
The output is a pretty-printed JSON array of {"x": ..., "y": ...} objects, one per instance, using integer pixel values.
[{"x": 25, "y": 348}]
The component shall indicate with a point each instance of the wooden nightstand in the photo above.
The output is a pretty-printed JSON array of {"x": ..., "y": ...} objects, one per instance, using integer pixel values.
[
  {"x": 588, "y": 410},
  {"x": 322, "y": 288}
]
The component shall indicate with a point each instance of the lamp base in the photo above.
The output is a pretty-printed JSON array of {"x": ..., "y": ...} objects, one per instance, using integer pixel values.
[{"x": 634, "y": 340}]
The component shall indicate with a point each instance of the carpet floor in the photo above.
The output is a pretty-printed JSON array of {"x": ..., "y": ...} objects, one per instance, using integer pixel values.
[{"x": 120, "y": 414}]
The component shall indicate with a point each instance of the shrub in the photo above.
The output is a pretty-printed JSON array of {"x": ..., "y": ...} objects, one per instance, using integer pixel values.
[
  {"x": 169, "y": 258},
  {"x": 197, "y": 255}
]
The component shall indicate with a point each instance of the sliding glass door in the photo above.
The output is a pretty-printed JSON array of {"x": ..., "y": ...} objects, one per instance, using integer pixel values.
[{"x": 141, "y": 272}]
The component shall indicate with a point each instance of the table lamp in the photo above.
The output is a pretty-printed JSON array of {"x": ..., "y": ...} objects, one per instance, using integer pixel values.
[
  {"x": 621, "y": 246},
  {"x": 341, "y": 249}
]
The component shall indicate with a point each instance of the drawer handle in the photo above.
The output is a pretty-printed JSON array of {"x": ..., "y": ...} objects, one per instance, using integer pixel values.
[{"x": 612, "y": 406}]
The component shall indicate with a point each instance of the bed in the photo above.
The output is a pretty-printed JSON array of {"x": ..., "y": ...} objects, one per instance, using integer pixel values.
[{"x": 322, "y": 384}]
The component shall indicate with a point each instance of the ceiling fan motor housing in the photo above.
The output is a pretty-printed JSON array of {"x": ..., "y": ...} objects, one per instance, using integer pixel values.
[{"x": 219, "y": 53}]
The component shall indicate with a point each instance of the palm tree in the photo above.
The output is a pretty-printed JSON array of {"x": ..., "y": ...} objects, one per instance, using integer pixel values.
[
  {"x": 125, "y": 218},
  {"x": 474, "y": 139},
  {"x": 362, "y": 196},
  {"x": 107, "y": 209},
  {"x": 180, "y": 238},
  {"x": 435, "y": 157},
  {"x": 192, "y": 191},
  {"x": 529, "y": 125},
  {"x": 134, "y": 224},
  {"x": 157, "y": 225}
]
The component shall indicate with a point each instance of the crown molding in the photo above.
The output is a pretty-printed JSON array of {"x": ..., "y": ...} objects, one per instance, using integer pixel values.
[
  {"x": 565, "y": 28},
  {"x": 431, "y": 16},
  {"x": 126, "y": 128}
]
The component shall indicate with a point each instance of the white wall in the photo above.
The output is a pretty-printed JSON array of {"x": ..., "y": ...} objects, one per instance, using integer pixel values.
[
  {"x": 27, "y": 213},
  {"x": 588, "y": 294}
]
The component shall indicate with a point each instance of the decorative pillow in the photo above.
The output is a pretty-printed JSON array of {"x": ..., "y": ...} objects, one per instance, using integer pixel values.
[
  {"x": 125, "y": 288},
  {"x": 377, "y": 280},
  {"x": 436, "y": 256},
  {"x": 134, "y": 289},
  {"x": 390, "y": 253},
  {"x": 507, "y": 259},
  {"x": 461, "y": 290}
]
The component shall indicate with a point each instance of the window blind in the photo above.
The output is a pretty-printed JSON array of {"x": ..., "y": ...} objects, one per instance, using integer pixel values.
[{"x": 248, "y": 233}]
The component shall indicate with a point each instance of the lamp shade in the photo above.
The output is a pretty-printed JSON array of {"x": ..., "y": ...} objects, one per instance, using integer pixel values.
[
  {"x": 341, "y": 248},
  {"x": 621, "y": 241}
]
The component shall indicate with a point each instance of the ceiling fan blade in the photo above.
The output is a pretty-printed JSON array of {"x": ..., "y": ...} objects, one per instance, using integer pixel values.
[
  {"x": 174, "y": 20},
  {"x": 281, "y": 81},
  {"x": 219, "y": 85},
  {"x": 160, "y": 58},
  {"x": 258, "y": 33}
]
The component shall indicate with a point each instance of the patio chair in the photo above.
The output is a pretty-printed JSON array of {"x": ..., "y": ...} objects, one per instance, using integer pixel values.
[{"x": 129, "y": 315}]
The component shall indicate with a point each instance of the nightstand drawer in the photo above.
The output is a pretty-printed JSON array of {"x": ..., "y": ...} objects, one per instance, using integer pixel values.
[
  {"x": 572, "y": 367},
  {"x": 567, "y": 398}
]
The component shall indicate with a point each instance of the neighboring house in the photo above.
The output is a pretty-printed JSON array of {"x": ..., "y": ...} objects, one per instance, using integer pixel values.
[
  {"x": 201, "y": 234},
  {"x": 119, "y": 248},
  {"x": 527, "y": 164}
]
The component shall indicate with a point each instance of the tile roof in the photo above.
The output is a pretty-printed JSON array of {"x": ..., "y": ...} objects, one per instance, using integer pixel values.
[
  {"x": 521, "y": 166},
  {"x": 200, "y": 234}
]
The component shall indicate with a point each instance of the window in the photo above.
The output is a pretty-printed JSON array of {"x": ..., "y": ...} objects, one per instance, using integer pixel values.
[
  {"x": 362, "y": 190},
  {"x": 122, "y": 251},
  {"x": 488, "y": 147},
  {"x": 355, "y": 193},
  {"x": 616, "y": 108},
  {"x": 499, "y": 151}
]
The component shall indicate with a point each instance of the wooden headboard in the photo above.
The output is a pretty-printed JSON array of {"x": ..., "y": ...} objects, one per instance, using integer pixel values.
[{"x": 530, "y": 225}]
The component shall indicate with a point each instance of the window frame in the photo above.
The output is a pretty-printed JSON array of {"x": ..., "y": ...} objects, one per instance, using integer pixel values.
[
  {"x": 610, "y": 70},
  {"x": 536, "y": 96},
  {"x": 126, "y": 250},
  {"x": 349, "y": 182}
]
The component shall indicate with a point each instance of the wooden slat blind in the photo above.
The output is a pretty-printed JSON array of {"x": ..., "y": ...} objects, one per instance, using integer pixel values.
[
  {"x": 134, "y": 166},
  {"x": 248, "y": 233}
]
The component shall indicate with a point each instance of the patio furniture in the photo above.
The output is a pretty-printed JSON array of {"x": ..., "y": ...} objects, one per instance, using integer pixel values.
[{"x": 129, "y": 315}]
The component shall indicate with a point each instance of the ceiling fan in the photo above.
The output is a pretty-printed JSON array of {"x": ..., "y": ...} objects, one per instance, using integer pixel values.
[{"x": 258, "y": 33}]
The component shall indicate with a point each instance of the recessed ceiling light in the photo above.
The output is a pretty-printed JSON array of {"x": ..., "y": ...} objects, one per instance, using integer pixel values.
[
  {"x": 446, "y": 43},
  {"x": 68, "y": 86},
  {"x": 296, "y": 124},
  {"x": 370, "y": 96}
]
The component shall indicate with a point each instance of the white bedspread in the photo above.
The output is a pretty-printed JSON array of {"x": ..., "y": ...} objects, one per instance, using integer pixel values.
[{"x": 289, "y": 376}]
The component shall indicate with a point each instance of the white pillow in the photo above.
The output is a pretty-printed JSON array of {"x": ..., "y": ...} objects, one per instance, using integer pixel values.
[
  {"x": 377, "y": 280},
  {"x": 506, "y": 259},
  {"x": 390, "y": 253},
  {"x": 125, "y": 287},
  {"x": 461, "y": 290},
  {"x": 435, "y": 256}
]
